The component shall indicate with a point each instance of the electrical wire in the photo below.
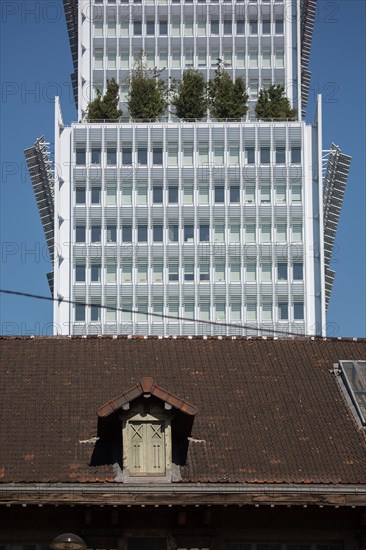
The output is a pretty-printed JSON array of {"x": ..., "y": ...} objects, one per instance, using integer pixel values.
[{"x": 151, "y": 314}]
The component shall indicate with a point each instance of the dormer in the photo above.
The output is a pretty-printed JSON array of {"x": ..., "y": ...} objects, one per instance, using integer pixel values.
[{"x": 154, "y": 426}]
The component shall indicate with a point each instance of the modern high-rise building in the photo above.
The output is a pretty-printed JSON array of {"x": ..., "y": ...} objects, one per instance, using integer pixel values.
[{"x": 190, "y": 228}]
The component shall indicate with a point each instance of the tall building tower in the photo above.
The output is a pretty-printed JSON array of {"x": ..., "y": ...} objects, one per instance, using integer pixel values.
[{"x": 165, "y": 227}]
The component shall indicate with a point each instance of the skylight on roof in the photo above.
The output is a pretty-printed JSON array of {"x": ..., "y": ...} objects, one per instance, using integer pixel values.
[{"x": 353, "y": 374}]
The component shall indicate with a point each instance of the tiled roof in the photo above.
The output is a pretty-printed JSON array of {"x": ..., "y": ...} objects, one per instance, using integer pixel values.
[{"x": 269, "y": 411}]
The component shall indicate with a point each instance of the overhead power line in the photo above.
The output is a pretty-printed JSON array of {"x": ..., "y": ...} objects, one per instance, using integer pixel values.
[{"x": 151, "y": 314}]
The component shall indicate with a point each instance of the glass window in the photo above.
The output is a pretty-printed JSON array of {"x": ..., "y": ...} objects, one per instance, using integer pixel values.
[
  {"x": 203, "y": 154},
  {"x": 173, "y": 193},
  {"x": 126, "y": 273},
  {"x": 279, "y": 26},
  {"x": 127, "y": 155},
  {"x": 187, "y": 156},
  {"x": 201, "y": 26},
  {"x": 265, "y": 194},
  {"x": 251, "y": 273},
  {"x": 95, "y": 313},
  {"x": 233, "y": 154},
  {"x": 189, "y": 310},
  {"x": 150, "y": 28},
  {"x": 188, "y": 233},
  {"x": 173, "y": 232},
  {"x": 280, "y": 155},
  {"x": 266, "y": 59},
  {"x": 297, "y": 232},
  {"x": 80, "y": 156},
  {"x": 95, "y": 273},
  {"x": 250, "y": 233},
  {"x": 142, "y": 233},
  {"x": 157, "y": 194},
  {"x": 250, "y": 193},
  {"x": 126, "y": 314},
  {"x": 80, "y": 273},
  {"x": 111, "y": 156},
  {"x": 234, "y": 233},
  {"x": 228, "y": 26},
  {"x": 240, "y": 26},
  {"x": 298, "y": 311},
  {"x": 267, "y": 311},
  {"x": 253, "y": 59},
  {"x": 296, "y": 155},
  {"x": 158, "y": 233},
  {"x": 204, "y": 272},
  {"x": 265, "y": 155},
  {"x": 163, "y": 27},
  {"x": 189, "y": 272},
  {"x": 266, "y": 26},
  {"x": 219, "y": 233},
  {"x": 157, "y": 273},
  {"x": 215, "y": 26},
  {"x": 281, "y": 232},
  {"x": 142, "y": 273},
  {"x": 173, "y": 272},
  {"x": 80, "y": 195},
  {"x": 235, "y": 273},
  {"x": 96, "y": 233},
  {"x": 220, "y": 311},
  {"x": 111, "y": 273},
  {"x": 296, "y": 193},
  {"x": 297, "y": 271},
  {"x": 172, "y": 156},
  {"x": 142, "y": 155},
  {"x": 141, "y": 311},
  {"x": 141, "y": 194},
  {"x": 266, "y": 233},
  {"x": 219, "y": 193},
  {"x": 95, "y": 195},
  {"x": 157, "y": 155},
  {"x": 111, "y": 233},
  {"x": 234, "y": 193},
  {"x": 220, "y": 273},
  {"x": 253, "y": 26},
  {"x": 250, "y": 155},
  {"x": 279, "y": 59},
  {"x": 126, "y": 233},
  {"x": 111, "y": 194},
  {"x": 126, "y": 194},
  {"x": 251, "y": 311},
  {"x": 96, "y": 155},
  {"x": 188, "y": 194},
  {"x": 235, "y": 311},
  {"x": 203, "y": 194},
  {"x": 282, "y": 271},
  {"x": 204, "y": 232},
  {"x": 110, "y": 315},
  {"x": 98, "y": 28},
  {"x": 205, "y": 311},
  {"x": 137, "y": 28},
  {"x": 282, "y": 311},
  {"x": 266, "y": 272},
  {"x": 158, "y": 309},
  {"x": 281, "y": 194},
  {"x": 79, "y": 312}
]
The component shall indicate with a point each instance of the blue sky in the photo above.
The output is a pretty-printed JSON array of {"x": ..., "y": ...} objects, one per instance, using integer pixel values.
[{"x": 35, "y": 66}]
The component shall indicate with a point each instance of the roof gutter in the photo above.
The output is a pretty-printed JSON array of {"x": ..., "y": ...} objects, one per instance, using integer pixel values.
[{"x": 178, "y": 494}]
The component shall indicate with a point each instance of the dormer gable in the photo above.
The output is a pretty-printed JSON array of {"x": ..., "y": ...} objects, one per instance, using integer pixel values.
[{"x": 152, "y": 426}]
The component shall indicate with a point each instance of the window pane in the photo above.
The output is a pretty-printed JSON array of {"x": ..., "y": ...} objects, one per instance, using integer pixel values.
[
  {"x": 172, "y": 156},
  {"x": 298, "y": 311},
  {"x": 142, "y": 155},
  {"x": 126, "y": 195},
  {"x": 266, "y": 26},
  {"x": 281, "y": 232},
  {"x": 188, "y": 194},
  {"x": 96, "y": 154},
  {"x": 80, "y": 156},
  {"x": 127, "y": 233},
  {"x": 203, "y": 194},
  {"x": 157, "y": 194},
  {"x": 219, "y": 193},
  {"x": 295, "y": 155},
  {"x": 157, "y": 273},
  {"x": 142, "y": 273},
  {"x": 235, "y": 233},
  {"x": 219, "y": 273},
  {"x": 282, "y": 311},
  {"x": 282, "y": 272},
  {"x": 142, "y": 194},
  {"x": 127, "y": 273},
  {"x": 240, "y": 26},
  {"x": 126, "y": 155},
  {"x": 163, "y": 27},
  {"x": 96, "y": 233},
  {"x": 204, "y": 272},
  {"x": 189, "y": 272},
  {"x": 280, "y": 155},
  {"x": 79, "y": 312},
  {"x": 80, "y": 273},
  {"x": 111, "y": 273},
  {"x": 188, "y": 233},
  {"x": 235, "y": 311},
  {"x": 267, "y": 311},
  {"x": 251, "y": 272},
  {"x": 279, "y": 26},
  {"x": 266, "y": 272},
  {"x": 95, "y": 313},
  {"x": 150, "y": 28},
  {"x": 95, "y": 273},
  {"x": 158, "y": 233},
  {"x": 173, "y": 272},
  {"x": 253, "y": 26},
  {"x": 235, "y": 273},
  {"x": 95, "y": 195},
  {"x": 251, "y": 312},
  {"x": 157, "y": 155},
  {"x": 80, "y": 195},
  {"x": 173, "y": 232},
  {"x": 280, "y": 193},
  {"x": 173, "y": 194},
  {"x": 250, "y": 155},
  {"x": 297, "y": 232},
  {"x": 204, "y": 232},
  {"x": 111, "y": 233},
  {"x": 297, "y": 271},
  {"x": 265, "y": 155},
  {"x": 142, "y": 233},
  {"x": 219, "y": 233},
  {"x": 234, "y": 193}
]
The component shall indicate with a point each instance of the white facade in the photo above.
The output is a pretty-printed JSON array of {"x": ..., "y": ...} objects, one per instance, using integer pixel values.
[{"x": 216, "y": 222}]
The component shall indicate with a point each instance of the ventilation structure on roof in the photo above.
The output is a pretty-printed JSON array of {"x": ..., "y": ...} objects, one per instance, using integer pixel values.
[
  {"x": 335, "y": 180},
  {"x": 353, "y": 374}
]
